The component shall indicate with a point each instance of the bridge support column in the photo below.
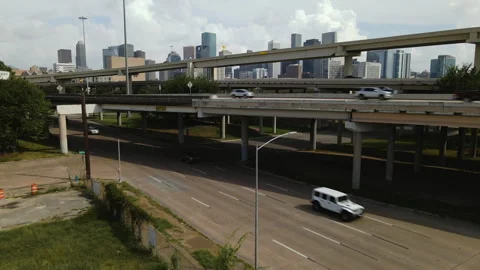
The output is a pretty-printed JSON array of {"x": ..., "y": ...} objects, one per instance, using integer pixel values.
[
  {"x": 442, "y": 147},
  {"x": 392, "y": 132},
  {"x": 348, "y": 68},
  {"x": 313, "y": 133},
  {"x": 210, "y": 73},
  {"x": 274, "y": 125},
  {"x": 474, "y": 142},
  {"x": 119, "y": 119},
  {"x": 181, "y": 129},
  {"x": 223, "y": 134},
  {"x": 340, "y": 126},
  {"x": 129, "y": 92},
  {"x": 357, "y": 159},
  {"x": 461, "y": 144},
  {"x": 260, "y": 124},
  {"x": 190, "y": 70},
  {"x": 419, "y": 130},
  {"x": 62, "y": 126},
  {"x": 476, "y": 61},
  {"x": 244, "y": 132},
  {"x": 100, "y": 116},
  {"x": 228, "y": 119}
]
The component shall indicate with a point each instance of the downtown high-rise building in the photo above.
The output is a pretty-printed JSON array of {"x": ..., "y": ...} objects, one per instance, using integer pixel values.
[
  {"x": 368, "y": 70},
  {"x": 440, "y": 66},
  {"x": 330, "y": 68},
  {"x": 274, "y": 69},
  {"x": 224, "y": 72},
  {"x": 81, "y": 57},
  {"x": 209, "y": 45},
  {"x": 150, "y": 76},
  {"x": 64, "y": 56},
  {"x": 311, "y": 67},
  {"x": 110, "y": 51},
  {"x": 139, "y": 54},
  {"x": 401, "y": 64},
  {"x": 329, "y": 38},
  {"x": 130, "y": 50},
  {"x": 295, "y": 42},
  {"x": 386, "y": 58},
  {"x": 188, "y": 52}
]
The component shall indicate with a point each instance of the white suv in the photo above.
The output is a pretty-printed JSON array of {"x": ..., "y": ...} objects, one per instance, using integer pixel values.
[
  {"x": 241, "y": 93},
  {"x": 335, "y": 201},
  {"x": 374, "y": 92}
]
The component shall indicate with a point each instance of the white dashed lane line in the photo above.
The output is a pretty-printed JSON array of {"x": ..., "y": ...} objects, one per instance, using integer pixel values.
[
  {"x": 204, "y": 204},
  {"x": 286, "y": 190},
  {"x": 299, "y": 253},
  {"x": 230, "y": 196},
  {"x": 396, "y": 226},
  {"x": 159, "y": 181}
]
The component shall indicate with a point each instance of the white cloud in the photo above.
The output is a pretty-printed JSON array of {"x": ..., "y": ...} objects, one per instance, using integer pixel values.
[{"x": 32, "y": 31}]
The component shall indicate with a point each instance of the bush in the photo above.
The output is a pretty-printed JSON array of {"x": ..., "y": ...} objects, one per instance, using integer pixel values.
[
  {"x": 178, "y": 85},
  {"x": 460, "y": 78}
]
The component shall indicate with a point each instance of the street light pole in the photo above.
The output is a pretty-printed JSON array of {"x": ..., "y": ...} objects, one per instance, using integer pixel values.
[
  {"x": 119, "y": 168},
  {"x": 256, "y": 190},
  {"x": 127, "y": 78},
  {"x": 84, "y": 45}
]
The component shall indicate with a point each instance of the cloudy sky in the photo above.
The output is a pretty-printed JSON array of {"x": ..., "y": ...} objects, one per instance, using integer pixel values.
[{"x": 32, "y": 31}]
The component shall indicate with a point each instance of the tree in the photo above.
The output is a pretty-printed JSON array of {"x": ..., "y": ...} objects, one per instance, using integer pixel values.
[
  {"x": 4, "y": 67},
  {"x": 23, "y": 113},
  {"x": 460, "y": 78},
  {"x": 178, "y": 85}
]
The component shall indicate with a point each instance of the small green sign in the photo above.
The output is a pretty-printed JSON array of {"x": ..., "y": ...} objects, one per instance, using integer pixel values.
[{"x": 81, "y": 152}]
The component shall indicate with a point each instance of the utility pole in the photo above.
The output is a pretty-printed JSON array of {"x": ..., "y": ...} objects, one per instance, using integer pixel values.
[
  {"x": 127, "y": 76},
  {"x": 85, "y": 47},
  {"x": 85, "y": 137}
]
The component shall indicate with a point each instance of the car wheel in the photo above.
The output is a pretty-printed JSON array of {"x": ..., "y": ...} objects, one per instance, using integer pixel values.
[
  {"x": 362, "y": 97},
  {"x": 316, "y": 206},
  {"x": 233, "y": 96},
  {"x": 345, "y": 216},
  {"x": 382, "y": 97},
  {"x": 245, "y": 96},
  {"x": 467, "y": 100}
]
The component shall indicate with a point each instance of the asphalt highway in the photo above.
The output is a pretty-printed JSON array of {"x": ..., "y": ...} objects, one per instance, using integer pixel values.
[{"x": 217, "y": 198}]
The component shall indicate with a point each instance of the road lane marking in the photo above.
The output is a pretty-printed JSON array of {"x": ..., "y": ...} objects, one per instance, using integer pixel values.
[
  {"x": 291, "y": 249},
  {"x": 321, "y": 235},
  {"x": 179, "y": 174},
  {"x": 197, "y": 170},
  {"x": 377, "y": 220},
  {"x": 219, "y": 168},
  {"x": 229, "y": 196},
  {"x": 251, "y": 190},
  {"x": 341, "y": 244},
  {"x": 401, "y": 228},
  {"x": 286, "y": 190},
  {"x": 206, "y": 205},
  {"x": 360, "y": 231},
  {"x": 160, "y": 181}
]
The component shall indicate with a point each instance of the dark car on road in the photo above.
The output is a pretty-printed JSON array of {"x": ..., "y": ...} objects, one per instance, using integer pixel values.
[
  {"x": 189, "y": 157},
  {"x": 467, "y": 95}
]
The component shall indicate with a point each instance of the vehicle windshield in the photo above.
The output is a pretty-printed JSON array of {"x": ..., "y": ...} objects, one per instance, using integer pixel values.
[{"x": 342, "y": 198}]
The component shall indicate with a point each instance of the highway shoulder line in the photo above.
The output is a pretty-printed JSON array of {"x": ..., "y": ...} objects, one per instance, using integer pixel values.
[
  {"x": 251, "y": 190},
  {"x": 204, "y": 204},
  {"x": 229, "y": 196}
]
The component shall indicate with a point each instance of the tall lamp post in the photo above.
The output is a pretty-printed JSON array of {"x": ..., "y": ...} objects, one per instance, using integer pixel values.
[
  {"x": 127, "y": 78},
  {"x": 256, "y": 190},
  {"x": 84, "y": 113}
]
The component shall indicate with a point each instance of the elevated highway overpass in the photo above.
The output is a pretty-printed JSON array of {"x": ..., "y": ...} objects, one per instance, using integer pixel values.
[{"x": 342, "y": 49}]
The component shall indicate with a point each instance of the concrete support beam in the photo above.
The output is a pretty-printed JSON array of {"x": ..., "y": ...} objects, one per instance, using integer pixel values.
[
  {"x": 119, "y": 119},
  {"x": 392, "y": 134},
  {"x": 223, "y": 134},
  {"x": 313, "y": 133},
  {"x": 228, "y": 119},
  {"x": 357, "y": 159},
  {"x": 474, "y": 142},
  {"x": 100, "y": 116},
  {"x": 181, "y": 129},
  {"x": 419, "y": 148},
  {"x": 340, "y": 127},
  {"x": 244, "y": 145},
  {"x": 461, "y": 144},
  {"x": 442, "y": 147},
  {"x": 62, "y": 126},
  {"x": 476, "y": 60},
  {"x": 130, "y": 91},
  {"x": 348, "y": 68},
  {"x": 274, "y": 125},
  {"x": 190, "y": 69},
  {"x": 260, "y": 124}
]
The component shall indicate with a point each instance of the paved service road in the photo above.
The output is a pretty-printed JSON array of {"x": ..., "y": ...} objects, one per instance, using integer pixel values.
[{"x": 217, "y": 197}]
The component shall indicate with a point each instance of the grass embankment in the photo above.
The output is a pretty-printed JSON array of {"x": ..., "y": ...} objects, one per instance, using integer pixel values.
[
  {"x": 33, "y": 150},
  {"x": 90, "y": 241}
]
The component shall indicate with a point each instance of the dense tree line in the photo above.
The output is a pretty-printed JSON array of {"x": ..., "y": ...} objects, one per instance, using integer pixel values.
[
  {"x": 461, "y": 78},
  {"x": 179, "y": 85}
]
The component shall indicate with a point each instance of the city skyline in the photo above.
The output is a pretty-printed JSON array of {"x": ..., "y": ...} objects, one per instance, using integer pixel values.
[{"x": 351, "y": 21}]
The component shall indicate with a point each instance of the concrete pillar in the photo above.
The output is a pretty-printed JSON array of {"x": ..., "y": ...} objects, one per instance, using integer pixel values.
[
  {"x": 474, "y": 142},
  {"x": 190, "y": 69},
  {"x": 357, "y": 159},
  {"x": 313, "y": 134},
  {"x": 348, "y": 68},
  {"x": 62, "y": 126},
  {"x": 130, "y": 91},
  {"x": 100, "y": 115},
  {"x": 144, "y": 122},
  {"x": 392, "y": 132},
  {"x": 210, "y": 73},
  {"x": 339, "y": 131},
  {"x": 260, "y": 124},
  {"x": 476, "y": 60},
  {"x": 274, "y": 125},
  {"x": 442, "y": 147},
  {"x": 419, "y": 148},
  {"x": 119, "y": 119},
  {"x": 223, "y": 134},
  {"x": 181, "y": 129},
  {"x": 228, "y": 119},
  {"x": 244, "y": 145},
  {"x": 461, "y": 144}
]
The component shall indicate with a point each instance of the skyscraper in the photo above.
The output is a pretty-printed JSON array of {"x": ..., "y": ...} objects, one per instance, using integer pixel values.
[
  {"x": 110, "y": 51},
  {"x": 209, "y": 43},
  {"x": 401, "y": 64},
  {"x": 188, "y": 52},
  {"x": 384, "y": 57},
  {"x": 198, "y": 51},
  {"x": 121, "y": 50},
  {"x": 367, "y": 70},
  {"x": 273, "y": 68},
  {"x": 296, "y": 40},
  {"x": 222, "y": 71},
  {"x": 434, "y": 68},
  {"x": 440, "y": 66},
  {"x": 139, "y": 54},
  {"x": 81, "y": 58},
  {"x": 64, "y": 56},
  {"x": 329, "y": 37},
  {"x": 150, "y": 76},
  {"x": 311, "y": 66}
]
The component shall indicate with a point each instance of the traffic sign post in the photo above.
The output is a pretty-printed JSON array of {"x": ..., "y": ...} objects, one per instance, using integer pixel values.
[{"x": 190, "y": 84}]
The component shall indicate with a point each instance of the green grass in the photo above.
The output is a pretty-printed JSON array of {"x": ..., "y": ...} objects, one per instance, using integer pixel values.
[
  {"x": 135, "y": 121},
  {"x": 33, "y": 150},
  {"x": 205, "y": 258},
  {"x": 269, "y": 130},
  {"x": 89, "y": 241}
]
